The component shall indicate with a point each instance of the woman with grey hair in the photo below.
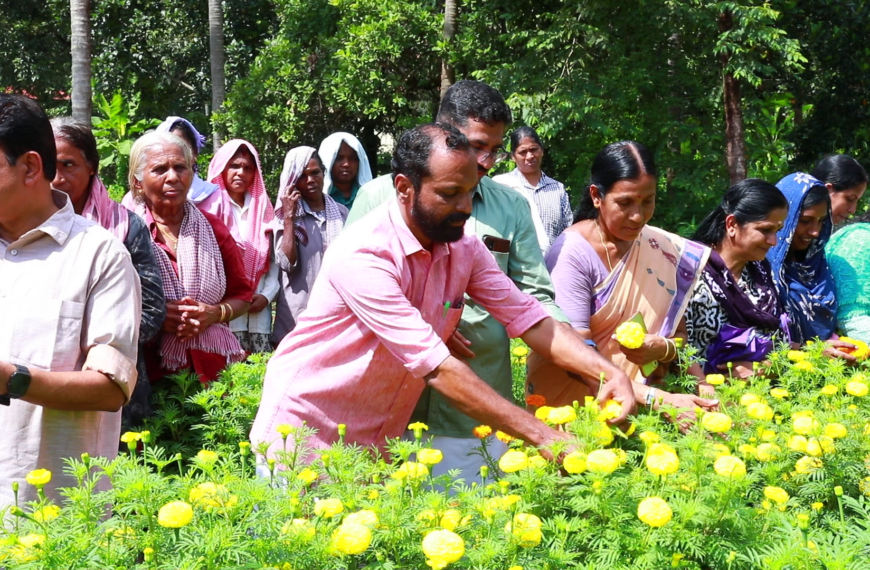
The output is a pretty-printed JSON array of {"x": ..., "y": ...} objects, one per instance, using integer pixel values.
[
  {"x": 200, "y": 263},
  {"x": 77, "y": 163}
]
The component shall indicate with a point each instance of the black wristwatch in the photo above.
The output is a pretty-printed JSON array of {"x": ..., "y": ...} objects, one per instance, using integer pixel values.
[{"x": 17, "y": 386}]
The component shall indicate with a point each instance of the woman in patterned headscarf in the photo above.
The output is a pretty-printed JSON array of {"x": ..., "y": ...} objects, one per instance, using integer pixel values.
[
  {"x": 242, "y": 204},
  {"x": 309, "y": 221}
]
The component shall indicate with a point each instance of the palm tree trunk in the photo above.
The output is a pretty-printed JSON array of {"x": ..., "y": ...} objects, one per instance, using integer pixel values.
[
  {"x": 735, "y": 142},
  {"x": 80, "y": 49},
  {"x": 216, "y": 54},
  {"x": 447, "y": 74}
]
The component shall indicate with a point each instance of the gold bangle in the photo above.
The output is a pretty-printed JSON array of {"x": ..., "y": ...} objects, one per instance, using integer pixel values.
[
  {"x": 231, "y": 312},
  {"x": 223, "y": 313},
  {"x": 668, "y": 356}
]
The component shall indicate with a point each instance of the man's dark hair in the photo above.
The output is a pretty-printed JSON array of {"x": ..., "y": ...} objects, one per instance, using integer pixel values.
[
  {"x": 468, "y": 99},
  {"x": 80, "y": 136},
  {"x": 411, "y": 157},
  {"x": 24, "y": 127}
]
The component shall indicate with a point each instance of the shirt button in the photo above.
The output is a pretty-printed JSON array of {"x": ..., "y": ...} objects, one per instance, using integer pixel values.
[{"x": 14, "y": 252}]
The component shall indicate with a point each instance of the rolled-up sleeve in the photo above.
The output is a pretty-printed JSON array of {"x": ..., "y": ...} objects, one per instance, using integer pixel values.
[
  {"x": 516, "y": 310},
  {"x": 371, "y": 287},
  {"x": 110, "y": 328}
]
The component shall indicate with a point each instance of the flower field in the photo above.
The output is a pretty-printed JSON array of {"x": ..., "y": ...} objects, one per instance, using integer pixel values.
[{"x": 779, "y": 478}]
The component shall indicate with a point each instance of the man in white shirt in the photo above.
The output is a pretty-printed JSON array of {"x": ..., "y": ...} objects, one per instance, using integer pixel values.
[{"x": 70, "y": 302}]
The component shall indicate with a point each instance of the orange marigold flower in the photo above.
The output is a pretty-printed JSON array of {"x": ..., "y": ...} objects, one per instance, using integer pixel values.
[
  {"x": 482, "y": 432},
  {"x": 503, "y": 437},
  {"x": 536, "y": 400}
]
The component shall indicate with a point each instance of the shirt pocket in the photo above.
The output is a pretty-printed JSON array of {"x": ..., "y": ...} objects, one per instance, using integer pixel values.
[
  {"x": 49, "y": 336},
  {"x": 450, "y": 323},
  {"x": 501, "y": 258}
]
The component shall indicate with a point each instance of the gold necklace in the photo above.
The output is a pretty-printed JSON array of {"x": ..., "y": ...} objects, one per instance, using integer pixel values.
[
  {"x": 166, "y": 234},
  {"x": 606, "y": 251}
]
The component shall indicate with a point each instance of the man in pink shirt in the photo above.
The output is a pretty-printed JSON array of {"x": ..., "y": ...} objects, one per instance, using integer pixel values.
[{"x": 389, "y": 294}]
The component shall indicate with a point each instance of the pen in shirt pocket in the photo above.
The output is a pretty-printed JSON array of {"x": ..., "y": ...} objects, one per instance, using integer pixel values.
[{"x": 455, "y": 305}]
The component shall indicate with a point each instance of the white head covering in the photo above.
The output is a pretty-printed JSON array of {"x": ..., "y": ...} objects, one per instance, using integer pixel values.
[{"x": 328, "y": 151}]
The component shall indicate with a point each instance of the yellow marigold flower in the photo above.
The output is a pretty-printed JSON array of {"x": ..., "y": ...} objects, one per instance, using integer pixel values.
[
  {"x": 327, "y": 508},
  {"x": 649, "y": 437},
  {"x": 747, "y": 399},
  {"x": 805, "y": 366},
  {"x": 804, "y": 425},
  {"x": 450, "y": 519},
  {"x": 574, "y": 463},
  {"x": 715, "y": 379},
  {"x": 857, "y": 389},
  {"x": 430, "y": 456},
  {"x": 797, "y": 443},
  {"x": 32, "y": 540},
  {"x": 301, "y": 528},
  {"x": 561, "y": 415},
  {"x": 822, "y": 445},
  {"x": 427, "y": 516},
  {"x": 655, "y": 512},
  {"x": 175, "y": 514},
  {"x": 130, "y": 437},
  {"x": 543, "y": 413},
  {"x": 718, "y": 450},
  {"x": 307, "y": 475},
  {"x": 759, "y": 411},
  {"x": 662, "y": 461},
  {"x": 442, "y": 547},
  {"x": 526, "y": 528},
  {"x": 716, "y": 422},
  {"x": 864, "y": 486},
  {"x": 351, "y": 538},
  {"x": 748, "y": 450},
  {"x": 603, "y": 435},
  {"x": 817, "y": 506},
  {"x": 861, "y": 350},
  {"x": 768, "y": 435},
  {"x": 284, "y": 430},
  {"x": 730, "y": 466},
  {"x": 776, "y": 494},
  {"x": 779, "y": 393},
  {"x": 829, "y": 390},
  {"x": 39, "y": 478},
  {"x": 630, "y": 335},
  {"x": 796, "y": 355},
  {"x": 513, "y": 460},
  {"x": 210, "y": 495},
  {"x": 503, "y": 437},
  {"x": 767, "y": 451},
  {"x": 46, "y": 513},
  {"x": 802, "y": 414},
  {"x": 206, "y": 456},
  {"x": 536, "y": 461},
  {"x": 410, "y": 470},
  {"x": 835, "y": 430},
  {"x": 515, "y": 568},
  {"x": 630, "y": 431},
  {"x": 611, "y": 409},
  {"x": 602, "y": 461},
  {"x": 418, "y": 426},
  {"x": 536, "y": 400},
  {"x": 520, "y": 351},
  {"x": 365, "y": 516},
  {"x": 482, "y": 432},
  {"x": 807, "y": 464}
]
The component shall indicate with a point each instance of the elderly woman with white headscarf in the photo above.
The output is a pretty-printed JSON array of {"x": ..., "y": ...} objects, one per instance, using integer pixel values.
[
  {"x": 309, "y": 221},
  {"x": 346, "y": 167}
]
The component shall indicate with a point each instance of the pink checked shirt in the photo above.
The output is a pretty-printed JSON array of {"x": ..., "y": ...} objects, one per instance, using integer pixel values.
[{"x": 375, "y": 326}]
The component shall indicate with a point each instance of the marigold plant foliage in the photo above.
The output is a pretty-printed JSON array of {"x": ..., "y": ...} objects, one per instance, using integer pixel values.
[{"x": 778, "y": 477}]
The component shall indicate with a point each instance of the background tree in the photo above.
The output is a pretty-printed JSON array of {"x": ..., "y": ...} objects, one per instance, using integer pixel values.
[
  {"x": 80, "y": 24},
  {"x": 216, "y": 58},
  {"x": 447, "y": 74}
]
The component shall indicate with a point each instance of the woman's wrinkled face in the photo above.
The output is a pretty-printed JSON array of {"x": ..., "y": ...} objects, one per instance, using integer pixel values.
[
  {"x": 752, "y": 240},
  {"x": 528, "y": 156},
  {"x": 310, "y": 182},
  {"x": 627, "y": 207},
  {"x": 809, "y": 226},
  {"x": 240, "y": 171},
  {"x": 73, "y": 171},
  {"x": 166, "y": 177},
  {"x": 845, "y": 202}
]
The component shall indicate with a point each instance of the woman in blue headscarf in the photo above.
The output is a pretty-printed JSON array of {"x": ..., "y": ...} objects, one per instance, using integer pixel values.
[{"x": 800, "y": 270}]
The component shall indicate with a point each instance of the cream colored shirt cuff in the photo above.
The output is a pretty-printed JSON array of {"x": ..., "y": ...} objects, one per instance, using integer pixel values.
[{"x": 110, "y": 361}]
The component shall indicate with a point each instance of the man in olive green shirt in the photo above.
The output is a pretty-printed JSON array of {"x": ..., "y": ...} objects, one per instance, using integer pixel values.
[{"x": 502, "y": 219}]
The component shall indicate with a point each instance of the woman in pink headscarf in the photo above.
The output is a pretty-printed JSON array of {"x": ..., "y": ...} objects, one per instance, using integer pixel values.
[
  {"x": 77, "y": 165},
  {"x": 243, "y": 205},
  {"x": 309, "y": 220}
]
